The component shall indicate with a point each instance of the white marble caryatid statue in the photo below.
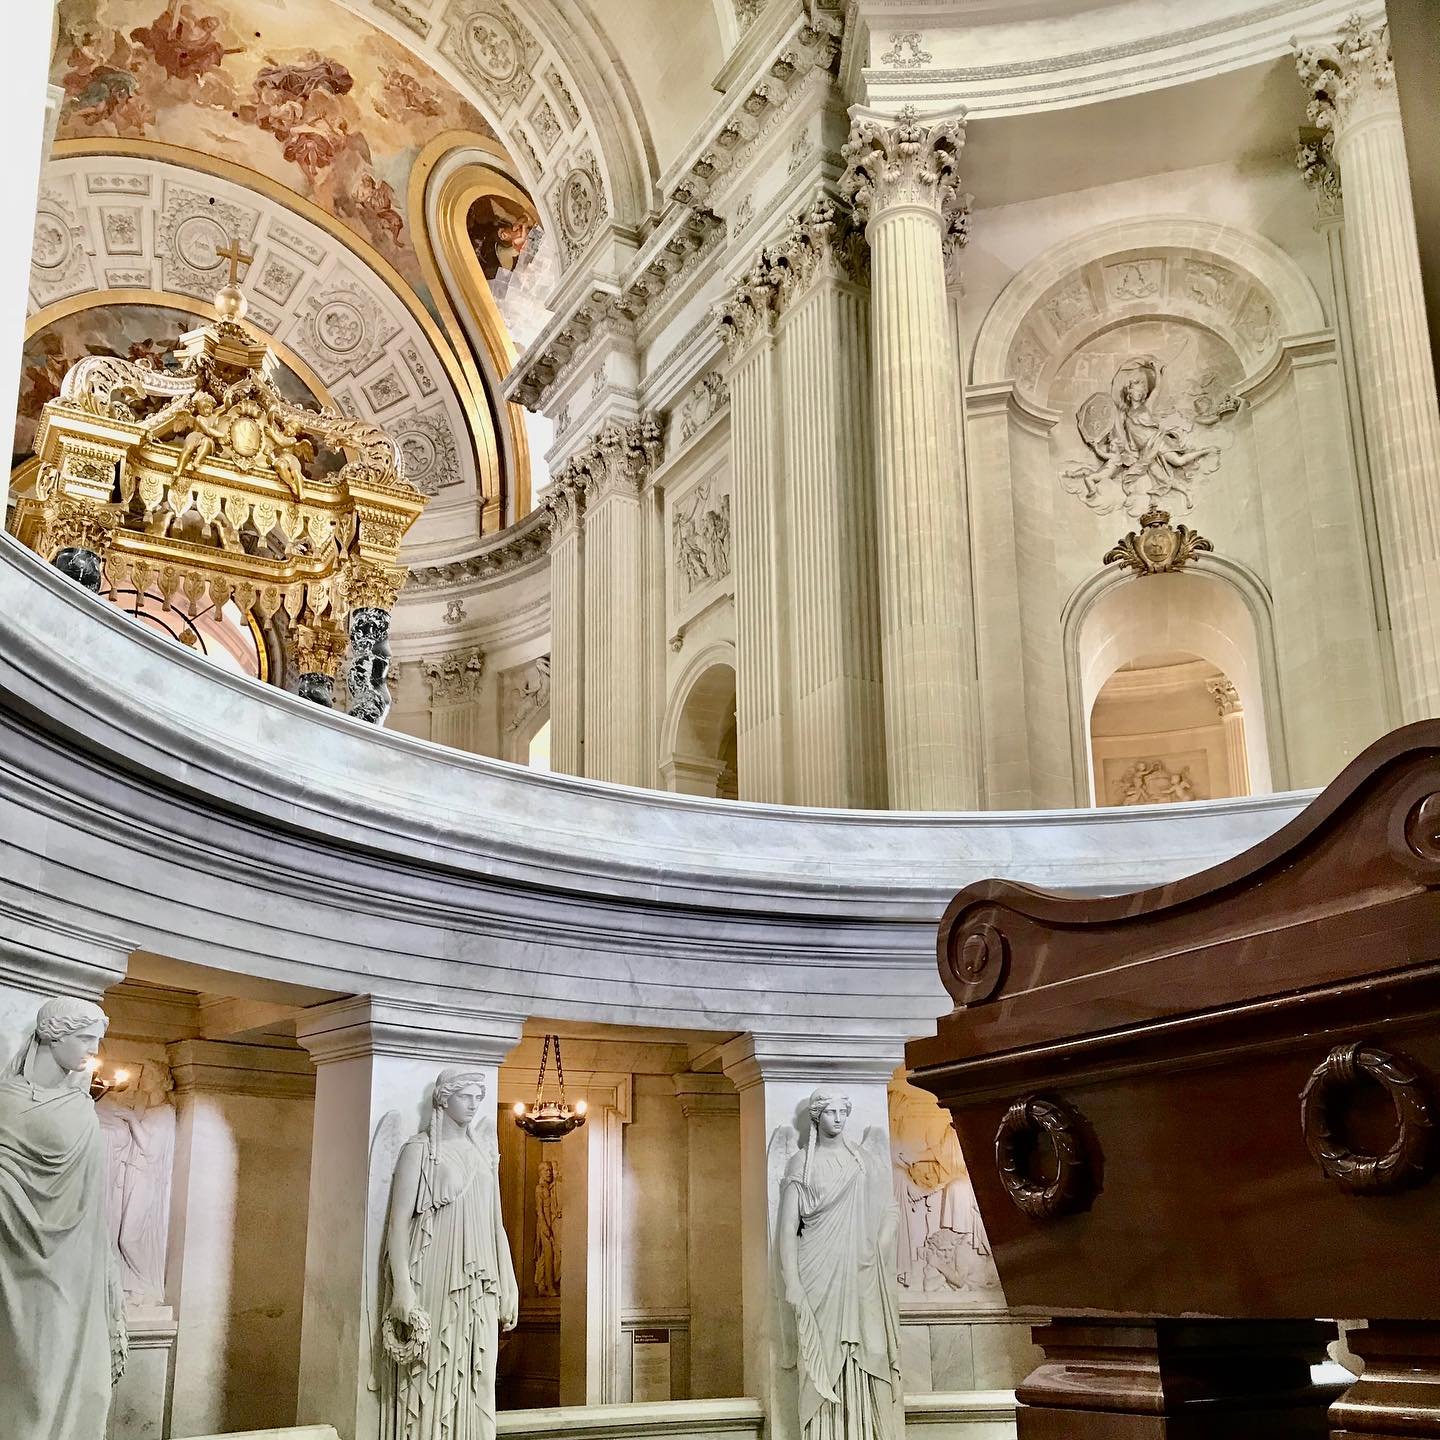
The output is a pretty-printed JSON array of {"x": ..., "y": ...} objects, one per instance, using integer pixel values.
[
  {"x": 139, "y": 1127},
  {"x": 835, "y": 1250},
  {"x": 547, "y": 1229},
  {"x": 450, "y": 1283},
  {"x": 62, "y": 1322}
]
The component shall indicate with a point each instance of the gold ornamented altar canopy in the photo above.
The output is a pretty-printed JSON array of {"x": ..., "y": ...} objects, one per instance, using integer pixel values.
[{"x": 207, "y": 481}]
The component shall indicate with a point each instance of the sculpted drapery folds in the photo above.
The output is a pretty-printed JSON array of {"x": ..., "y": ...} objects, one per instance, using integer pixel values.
[
  {"x": 62, "y": 1324},
  {"x": 835, "y": 1255},
  {"x": 449, "y": 1283}
]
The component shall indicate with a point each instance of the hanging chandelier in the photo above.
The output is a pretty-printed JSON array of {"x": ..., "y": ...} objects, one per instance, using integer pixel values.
[{"x": 550, "y": 1120}]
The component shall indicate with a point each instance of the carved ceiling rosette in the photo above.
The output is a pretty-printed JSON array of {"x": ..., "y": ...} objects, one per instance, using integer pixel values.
[
  {"x": 909, "y": 161},
  {"x": 1350, "y": 77}
]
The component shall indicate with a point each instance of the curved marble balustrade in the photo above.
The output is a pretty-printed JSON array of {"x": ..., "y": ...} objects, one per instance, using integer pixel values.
[{"x": 153, "y": 801}]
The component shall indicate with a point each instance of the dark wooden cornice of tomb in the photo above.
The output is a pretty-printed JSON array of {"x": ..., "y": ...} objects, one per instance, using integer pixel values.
[{"x": 1177, "y": 1217}]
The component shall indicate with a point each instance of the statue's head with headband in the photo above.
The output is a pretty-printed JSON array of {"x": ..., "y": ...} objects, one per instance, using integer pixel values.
[
  {"x": 828, "y": 1110},
  {"x": 71, "y": 1030}
]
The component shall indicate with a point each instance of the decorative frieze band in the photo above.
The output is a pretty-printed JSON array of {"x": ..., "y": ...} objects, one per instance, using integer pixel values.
[{"x": 522, "y": 544}]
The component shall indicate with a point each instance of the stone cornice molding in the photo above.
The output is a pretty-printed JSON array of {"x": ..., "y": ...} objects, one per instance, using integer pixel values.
[
  {"x": 516, "y": 548},
  {"x": 1351, "y": 78},
  {"x": 752, "y": 105},
  {"x": 54, "y": 957},
  {"x": 454, "y": 677},
  {"x": 367, "y": 1025},
  {"x": 706, "y": 1095},
  {"x": 219, "y": 1067},
  {"x": 907, "y": 161},
  {"x": 659, "y": 276},
  {"x": 767, "y": 1059}
]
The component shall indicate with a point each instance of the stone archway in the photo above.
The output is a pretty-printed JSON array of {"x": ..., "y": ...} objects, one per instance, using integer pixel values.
[{"x": 699, "y": 756}]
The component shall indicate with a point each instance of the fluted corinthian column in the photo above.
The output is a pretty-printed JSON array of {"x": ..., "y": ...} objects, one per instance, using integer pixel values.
[
  {"x": 565, "y": 501},
  {"x": 902, "y": 179},
  {"x": 1352, "y": 80},
  {"x": 618, "y": 466},
  {"x": 833, "y": 601},
  {"x": 747, "y": 322}
]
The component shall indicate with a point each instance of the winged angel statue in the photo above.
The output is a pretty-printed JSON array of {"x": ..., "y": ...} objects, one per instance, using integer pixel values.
[
  {"x": 833, "y": 1275},
  {"x": 1146, "y": 454}
]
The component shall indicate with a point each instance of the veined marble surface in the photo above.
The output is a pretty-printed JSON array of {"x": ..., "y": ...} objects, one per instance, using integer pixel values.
[{"x": 150, "y": 799}]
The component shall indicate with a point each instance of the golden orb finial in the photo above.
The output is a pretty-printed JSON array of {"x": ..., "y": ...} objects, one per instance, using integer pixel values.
[{"x": 230, "y": 303}]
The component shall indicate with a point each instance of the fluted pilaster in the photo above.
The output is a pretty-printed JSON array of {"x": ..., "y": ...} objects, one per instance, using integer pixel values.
[
  {"x": 566, "y": 501},
  {"x": 618, "y": 465},
  {"x": 833, "y": 599},
  {"x": 903, "y": 180},
  {"x": 1352, "y": 81},
  {"x": 747, "y": 322}
]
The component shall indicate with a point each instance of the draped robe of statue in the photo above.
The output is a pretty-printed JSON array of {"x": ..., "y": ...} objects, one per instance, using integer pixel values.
[
  {"x": 847, "y": 1342},
  {"x": 61, "y": 1310},
  {"x": 460, "y": 1266}
]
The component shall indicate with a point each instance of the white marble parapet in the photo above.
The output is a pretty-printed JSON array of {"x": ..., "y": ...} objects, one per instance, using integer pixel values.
[
  {"x": 297, "y": 1432},
  {"x": 673, "y": 1419},
  {"x": 210, "y": 819},
  {"x": 961, "y": 1415}
]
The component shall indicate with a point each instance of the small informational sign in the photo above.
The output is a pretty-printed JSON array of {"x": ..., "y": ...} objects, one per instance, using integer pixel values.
[{"x": 650, "y": 1364}]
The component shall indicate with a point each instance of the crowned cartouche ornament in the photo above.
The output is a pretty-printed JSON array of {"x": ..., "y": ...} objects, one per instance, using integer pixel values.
[{"x": 1158, "y": 547}]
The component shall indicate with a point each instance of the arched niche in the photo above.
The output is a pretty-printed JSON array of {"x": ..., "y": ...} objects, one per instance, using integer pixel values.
[
  {"x": 457, "y": 176},
  {"x": 698, "y": 751},
  {"x": 1236, "y": 283},
  {"x": 1220, "y": 614}
]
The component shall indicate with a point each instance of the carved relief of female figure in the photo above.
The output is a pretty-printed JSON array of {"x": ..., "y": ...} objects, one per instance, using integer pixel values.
[
  {"x": 835, "y": 1238},
  {"x": 62, "y": 1325},
  {"x": 547, "y": 1230},
  {"x": 450, "y": 1281},
  {"x": 140, "y": 1128}
]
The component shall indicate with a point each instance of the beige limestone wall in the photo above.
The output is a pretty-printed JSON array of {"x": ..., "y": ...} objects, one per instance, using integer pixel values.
[{"x": 237, "y": 1266}]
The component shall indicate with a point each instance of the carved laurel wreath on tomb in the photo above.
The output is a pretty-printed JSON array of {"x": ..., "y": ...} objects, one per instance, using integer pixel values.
[{"x": 406, "y": 1342}]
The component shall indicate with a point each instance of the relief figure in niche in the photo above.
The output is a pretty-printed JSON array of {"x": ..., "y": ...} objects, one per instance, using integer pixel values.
[
  {"x": 834, "y": 1255},
  {"x": 63, "y": 1342},
  {"x": 547, "y": 1229},
  {"x": 1146, "y": 454},
  {"x": 702, "y": 539},
  {"x": 448, "y": 1285},
  {"x": 1153, "y": 782},
  {"x": 139, "y": 1127},
  {"x": 941, "y": 1244}
]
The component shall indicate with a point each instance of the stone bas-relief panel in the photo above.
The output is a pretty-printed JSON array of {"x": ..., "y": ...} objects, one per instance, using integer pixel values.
[
  {"x": 1157, "y": 780},
  {"x": 139, "y": 1128},
  {"x": 1157, "y": 423},
  {"x": 943, "y": 1253},
  {"x": 700, "y": 539}
]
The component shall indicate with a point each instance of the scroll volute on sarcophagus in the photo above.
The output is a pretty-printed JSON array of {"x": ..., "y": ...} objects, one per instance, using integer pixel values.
[{"x": 1151, "y": 1051}]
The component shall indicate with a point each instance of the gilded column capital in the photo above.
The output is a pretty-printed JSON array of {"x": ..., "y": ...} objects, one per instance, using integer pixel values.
[
  {"x": 905, "y": 161},
  {"x": 822, "y": 243},
  {"x": 1351, "y": 77}
]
